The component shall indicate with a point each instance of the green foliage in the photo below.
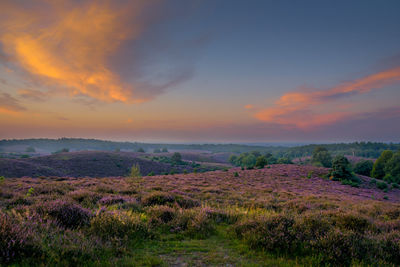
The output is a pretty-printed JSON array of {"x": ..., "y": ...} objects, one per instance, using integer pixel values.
[
  {"x": 378, "y": 170},
  {"x": 364, "y": 167},
  {"x": 284, "y": 161},
  {"x": 2, "y": 179},
  {"x": 392, "y": 169},
  {"x": 164, "y": 150},
  {"x": 322, "y": 156},
  {"x": 150, "y": 173},
  {"x": 236, "y": 174},
  {"x": 381, "y": 185},
  {"x": 176, "y": 158},
  {"x": 140, "y": 150},
  {"x": 30, "y": 192},
  {"x": 30, "y": 149},
  {"x": 135, "y": 171},
  {"x": 249, "y": 161},
  {"x": 157, "y": 150},
  {"x": 270, "y": 158},
  {"x": 233, "y": 159},
  {"x": 341, "y": 169},
  {"x": 261, "y": 162}
]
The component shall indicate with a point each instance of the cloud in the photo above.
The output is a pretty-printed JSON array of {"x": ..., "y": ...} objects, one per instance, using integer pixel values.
[
  {"x": 34, "y": 95},
  {"x": 71, "y": 45},
  {"x": 302, "y": 108},
  {"x": 9, "y": 104}
]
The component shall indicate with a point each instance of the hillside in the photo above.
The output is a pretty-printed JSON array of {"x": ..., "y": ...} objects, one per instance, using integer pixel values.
[
  {"x": 84, "y": 163},
  {"x": 283, "y": 215}
]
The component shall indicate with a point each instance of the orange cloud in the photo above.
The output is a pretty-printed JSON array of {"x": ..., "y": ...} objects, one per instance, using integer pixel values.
[
  {"x": 9, "y": 105},
  {"x": 69, "y": 45},
  {"x": 300, "y": 108},
  {"x": 249, "y": 106}
]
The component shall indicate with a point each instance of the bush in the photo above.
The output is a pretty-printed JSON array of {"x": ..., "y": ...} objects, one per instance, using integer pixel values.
[
  {"x": 378, "y": 170},
  {"x": 67, "y": 214},
  {"x": 382, "y": 185},
  {"x": 274, "y": 233},
  {"x": 364, "y": 167},
  {"x": 176, "y": 158},
  {"x": 85, "y": 198},
  {"x": 159, "y": 215},
  {"x": 115, "y": 226},
  {"x": 341, "y": 169},
  {"x": 392, "y": 169},
  {"x": 15, "y": 239},
  {"x": 284, "y": 161},
  {"x": 261, "y": 162},
  {"x": 158, "y": 198}
]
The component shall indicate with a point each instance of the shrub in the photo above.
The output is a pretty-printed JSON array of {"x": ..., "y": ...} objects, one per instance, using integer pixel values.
[
  {"x": 176, "y": 158},
  {"x": 85, "y": 197},
  {"x": 115, "y": 226},
  {"x": 30, "y": 149},
  {"x": 15, "y": 239},
  {"x": 378, "y": 170},
  {"x": 261, "y": 162},
  {"x": 284, "y": 161},
  {"x": 236, "y": 174},
  {"x": 159, "y": 215},
  {"x": 135, "y": 171},
  {"x": 200, "y": 224},
  {"x": 364, "y": 167},
  {"x": 392, "y": 169},
  {"x": 341, "y": 169},
  {"x": 382, "y": 185},
  {"x": 111, "y": 200},
  {"x": 274, "y": 233},
  {"x": 233, "y": 159},
  {"x": 140, "y": 150},
  {"x": 2, "y": 179},
  {"x": 186, "y": 202},
  {"x": 67, "y": 214},
  {"x": 158, "y": 198}
]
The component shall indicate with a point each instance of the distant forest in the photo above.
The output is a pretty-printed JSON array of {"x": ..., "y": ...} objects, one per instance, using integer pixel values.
[{"x": 360, "y": 149}]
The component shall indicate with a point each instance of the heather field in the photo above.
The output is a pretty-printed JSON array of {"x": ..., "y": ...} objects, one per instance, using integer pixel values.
[{"x": 282, "y": 215}]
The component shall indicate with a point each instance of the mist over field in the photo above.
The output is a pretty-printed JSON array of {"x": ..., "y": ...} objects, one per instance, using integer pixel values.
[{"x": 199, "y": 133}]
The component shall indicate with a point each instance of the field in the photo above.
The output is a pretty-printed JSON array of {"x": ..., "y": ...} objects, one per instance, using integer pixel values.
[
  {"x": 282, "y": 215},
  {"x": 102, "y": 164}
]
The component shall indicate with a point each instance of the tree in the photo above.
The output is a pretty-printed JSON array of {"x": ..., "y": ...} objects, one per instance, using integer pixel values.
[
  {"x": 164, "y": 150},
  {"x": 378, "y": 170},
  {"x": 284, "y": 161},
  {"x": 141, "y": 150},
  {"x": 392, "y": 169},
  {"x": 364, "y": 167},
  {"x": 157, "y": 150},
  {"x": 176, "y": 158},
  {"x": 341, "y": 169},
  {"x": 249, "y": 161},
  {"x": 30, "y": 149},
  {"x": 261, "y": 162},
  {"x": 270, "y": 158},
  {"x": 233, "y": 159},
  {"x": 321, "y": 156},
  {"x": 135, "y": 171}
]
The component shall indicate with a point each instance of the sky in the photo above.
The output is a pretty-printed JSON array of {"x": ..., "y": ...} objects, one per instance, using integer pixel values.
[{"x": 200, "y": 71}]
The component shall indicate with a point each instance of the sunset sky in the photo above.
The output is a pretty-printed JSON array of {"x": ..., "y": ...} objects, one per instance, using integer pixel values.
[{"x": 201, "y": 71}]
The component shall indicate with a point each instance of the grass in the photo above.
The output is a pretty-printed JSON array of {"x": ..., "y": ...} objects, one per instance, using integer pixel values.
[
  {"x": 217, "y": 250},
  {"x": 267, "y": 217}
]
